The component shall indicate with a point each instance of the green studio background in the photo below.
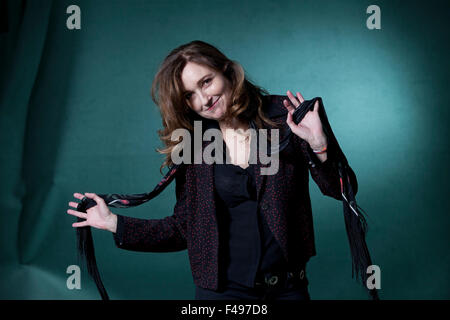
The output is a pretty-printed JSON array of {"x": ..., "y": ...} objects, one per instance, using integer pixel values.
[{"x": 76, "y": 116}]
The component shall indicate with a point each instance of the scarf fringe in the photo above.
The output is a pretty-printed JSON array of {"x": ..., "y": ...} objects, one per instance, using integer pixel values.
[
  {"x": 86, "y": 252},
  {"x": 357, "y": 228},
  {"x": 85, "y": 243}
]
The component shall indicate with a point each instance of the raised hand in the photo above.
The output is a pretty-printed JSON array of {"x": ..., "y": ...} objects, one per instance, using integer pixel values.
[
  {"x": 99, "y": 216},
  {"x": 310, "y": 128}
]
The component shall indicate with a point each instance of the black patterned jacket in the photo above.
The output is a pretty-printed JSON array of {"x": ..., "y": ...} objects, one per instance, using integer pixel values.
[{"x": 283, "y": 199}]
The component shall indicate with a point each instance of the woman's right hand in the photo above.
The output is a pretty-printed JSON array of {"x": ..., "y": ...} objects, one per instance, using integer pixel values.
[{"x": 99, "y": 216}]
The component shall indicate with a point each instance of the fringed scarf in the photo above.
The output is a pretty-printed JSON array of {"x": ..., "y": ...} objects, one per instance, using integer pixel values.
[{"x": 355, "y": 222}]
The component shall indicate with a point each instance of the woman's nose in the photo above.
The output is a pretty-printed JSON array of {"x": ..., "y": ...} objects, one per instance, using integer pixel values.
[{"x": 205, "y": 98}]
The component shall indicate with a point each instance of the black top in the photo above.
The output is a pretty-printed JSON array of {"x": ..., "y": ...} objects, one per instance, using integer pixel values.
[{"x": 248, "y": 246}]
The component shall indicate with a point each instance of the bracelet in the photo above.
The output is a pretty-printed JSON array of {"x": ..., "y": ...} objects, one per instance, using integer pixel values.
[{"x": 320, "y": 151}]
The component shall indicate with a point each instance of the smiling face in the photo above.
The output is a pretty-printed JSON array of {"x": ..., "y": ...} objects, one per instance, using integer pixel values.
[{"x": 206, "y": 91}]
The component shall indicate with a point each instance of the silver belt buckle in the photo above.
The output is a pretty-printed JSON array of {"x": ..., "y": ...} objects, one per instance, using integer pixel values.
[
  {"x": 302, "y": 274},
  {"x": 273, "y": 280}
]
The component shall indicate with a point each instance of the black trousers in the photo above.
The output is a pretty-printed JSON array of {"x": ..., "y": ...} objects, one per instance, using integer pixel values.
[{"x": 233, "y": 291}]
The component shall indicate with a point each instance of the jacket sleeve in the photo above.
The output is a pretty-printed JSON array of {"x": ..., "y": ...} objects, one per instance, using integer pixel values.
[
  {"x": 325, "y": 174},
  {"x": 156, "y": 235}
]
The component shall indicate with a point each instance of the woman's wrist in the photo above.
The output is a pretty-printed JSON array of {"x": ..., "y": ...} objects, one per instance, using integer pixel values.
[
  {"x": 112, "y": 223},
  {"x": 320, "y": 150},
  {"x": 318, "y": 142},
  {"x": 319, "y": 145},
  {"x": 322, "y": 156}
]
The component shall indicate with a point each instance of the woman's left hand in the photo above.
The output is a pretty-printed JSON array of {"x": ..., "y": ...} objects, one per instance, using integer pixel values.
[{"x": 310, "y": 128}]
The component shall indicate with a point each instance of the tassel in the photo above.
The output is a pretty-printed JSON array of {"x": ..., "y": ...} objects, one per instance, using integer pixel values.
[
  {"x": 356, "y": 227},
  {"x": 355, "y": 222},
  {"x": 85, "y": 243},
  {"x": 86, "y": 252}
]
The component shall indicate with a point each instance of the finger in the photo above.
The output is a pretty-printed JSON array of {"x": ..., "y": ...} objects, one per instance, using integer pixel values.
[
  {"x": 288, "y": 105},
  {"x": 78, "y": 195},
  {"x": 80, "y": 224},
  {"x": 294, "y": 128},
  {"x": 300, "y": 97},
  {"x": 290, "y": 121},
  {"x": 316, "y": 106},
  {"x": 78, "y": 214},
  {"x": 95, "y": 197},
  {"x": 73, "y": 204},
  {"x": 289, "y": 117},
  {"x": 293, "y": 99}
]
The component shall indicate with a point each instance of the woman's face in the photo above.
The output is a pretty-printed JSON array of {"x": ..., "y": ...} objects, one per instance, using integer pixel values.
[{"x": 206, "y": 91}]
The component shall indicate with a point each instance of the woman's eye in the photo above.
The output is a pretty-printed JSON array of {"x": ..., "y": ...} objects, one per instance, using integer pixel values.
[
  {"x": 188, "y": 96},
  {"x": 207, "y": 81}
]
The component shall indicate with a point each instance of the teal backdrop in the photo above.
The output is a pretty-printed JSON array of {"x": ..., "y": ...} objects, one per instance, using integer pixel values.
[{"x": 76, "y": 116}]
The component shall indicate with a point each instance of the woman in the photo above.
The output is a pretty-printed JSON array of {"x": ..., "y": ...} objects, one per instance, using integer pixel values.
[{"x": 248, "y": 235}]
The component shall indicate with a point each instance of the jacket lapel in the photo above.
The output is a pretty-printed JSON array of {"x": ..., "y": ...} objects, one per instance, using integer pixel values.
[{"x": 260, "y": 179}]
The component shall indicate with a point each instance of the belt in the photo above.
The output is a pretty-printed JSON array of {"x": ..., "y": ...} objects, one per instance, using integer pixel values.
[{"x": 280, "y": 279}]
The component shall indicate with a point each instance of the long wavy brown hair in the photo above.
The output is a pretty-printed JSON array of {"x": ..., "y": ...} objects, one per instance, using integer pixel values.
[{"x": 167, "y": 92}]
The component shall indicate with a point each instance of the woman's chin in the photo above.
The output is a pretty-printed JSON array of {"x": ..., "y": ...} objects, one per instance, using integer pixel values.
[{"x": 214, "y": 115}]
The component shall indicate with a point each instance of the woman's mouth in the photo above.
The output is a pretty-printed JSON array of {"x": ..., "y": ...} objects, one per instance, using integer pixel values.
[{"x": 213, "y": 105}]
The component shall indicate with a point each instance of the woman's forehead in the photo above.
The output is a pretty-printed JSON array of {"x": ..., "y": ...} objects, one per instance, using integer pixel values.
[{"x": 193, "y": 73}]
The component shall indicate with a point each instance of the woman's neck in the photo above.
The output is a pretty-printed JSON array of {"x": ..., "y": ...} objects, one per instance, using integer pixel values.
[{"x": 234, "y": 124}]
